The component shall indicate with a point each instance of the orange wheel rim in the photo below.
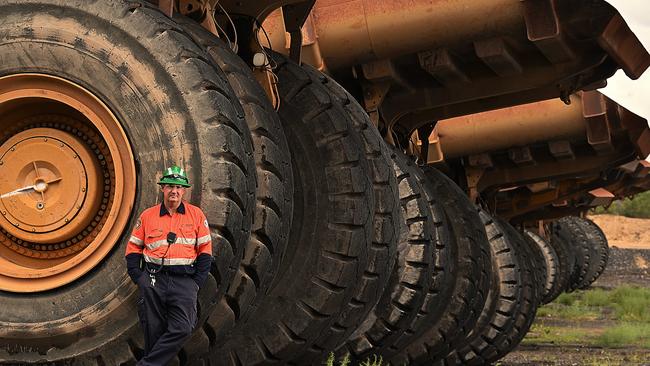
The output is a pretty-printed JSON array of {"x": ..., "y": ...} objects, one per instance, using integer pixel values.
[{"x": 67, "y": 182}]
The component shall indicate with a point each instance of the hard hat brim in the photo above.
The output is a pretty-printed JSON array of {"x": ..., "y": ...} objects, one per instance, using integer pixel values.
[{"x": 177, "y": 182}]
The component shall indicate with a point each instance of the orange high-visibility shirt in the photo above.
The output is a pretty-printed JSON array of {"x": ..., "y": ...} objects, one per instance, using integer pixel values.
[{"x": 149, "y": 237}]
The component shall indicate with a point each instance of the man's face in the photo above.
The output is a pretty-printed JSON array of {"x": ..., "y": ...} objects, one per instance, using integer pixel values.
[{"x": 173, "y": 194}]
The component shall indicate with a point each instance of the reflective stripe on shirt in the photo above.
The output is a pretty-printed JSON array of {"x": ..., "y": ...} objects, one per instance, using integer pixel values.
[
  {"x": 169, "y": 261},
  {"x": 137, "y": 241},
  {"x": 160, "y": 243}
]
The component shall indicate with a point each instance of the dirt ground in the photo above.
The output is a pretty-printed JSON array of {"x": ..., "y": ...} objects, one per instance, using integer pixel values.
[
  {"x": 629, "y": 263},
  {"x": 624, "y": 232}
]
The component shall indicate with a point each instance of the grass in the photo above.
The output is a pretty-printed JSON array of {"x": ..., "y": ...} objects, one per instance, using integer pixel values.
[
  {"x": 568, "y": 312},
  {"x": 626, "y": 334},
  {"x": 373, "y": 361},
  {"x": 631, "y": 304},
  {"x": 622, "y": 335},
  {"x": 546, "y": 334},
  {"x": 627, "y": 303},
  {"x": 627, "y": 308}
]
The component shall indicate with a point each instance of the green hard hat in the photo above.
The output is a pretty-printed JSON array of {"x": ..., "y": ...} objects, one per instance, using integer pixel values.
[{"x": 175, "y": 175}]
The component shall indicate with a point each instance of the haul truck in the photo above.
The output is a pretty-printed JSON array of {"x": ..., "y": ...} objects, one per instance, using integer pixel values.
[{"x": 395, "y": 178}]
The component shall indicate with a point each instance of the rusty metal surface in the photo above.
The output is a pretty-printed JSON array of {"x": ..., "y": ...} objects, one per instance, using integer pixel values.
[
  {"x": 471, "y": 56},
  {"x": 509, "y": 127},
  {"x": 544, "y": 30},
  {"x": 527, "y": 158},
  {"x": 587, "y": 164},
  {"x": 577, "y": 197},
  {"x": 358, "y": 31},
  {"x": 594, "y": 110},
  {"x": 601, "y": 197},
  {"x": 624, "y": 47}
]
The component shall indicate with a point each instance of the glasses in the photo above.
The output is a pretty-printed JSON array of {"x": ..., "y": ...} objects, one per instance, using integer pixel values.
[{"x": 172, "y": 187}]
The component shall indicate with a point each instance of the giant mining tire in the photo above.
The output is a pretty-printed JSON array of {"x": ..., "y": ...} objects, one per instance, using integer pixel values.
[
  {"x": 566, "y": 263},
  {"x": 551, "y": 264},
  {"x": 443, "y": 276},
  {"x": 537, "y": 260},
  {"x": 387, "y": 216},
  {"x": 97, "y": 98},
  {"x": 273, "y": 205},
  {"x": 600, "y": 251},
  {"x": 511, "y": 302},
  {"x": 443, "y": 326},
  {"x": 331, "y": 231},
  {"x": 572, "y": 233},
  {"x": 421, "y": 231},
  {"x": 532, "y": 278}
]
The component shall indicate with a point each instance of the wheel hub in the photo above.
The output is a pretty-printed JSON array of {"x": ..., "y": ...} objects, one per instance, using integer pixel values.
[
  {"x": 67, "y": 182},
  {"x": 44, "y": 185}
]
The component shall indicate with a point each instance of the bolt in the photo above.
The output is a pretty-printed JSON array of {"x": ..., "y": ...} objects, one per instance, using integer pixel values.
[
  {"x": 83, "y": 189},
  {"x": 17, "y": 224},
  {"x": 33, "y": 230},
  {"x": 45, "y": 139},
  {"x": 13, "y": 149},
  {"x": 66, "y": 220},
  {"x": 74, "y": 156},
  {"x": 40, "y": 205},
  {"x": 4, "y": 212},
  {"x": 1, "y": 163}
]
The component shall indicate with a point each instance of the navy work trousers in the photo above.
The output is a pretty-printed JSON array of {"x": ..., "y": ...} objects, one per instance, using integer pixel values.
[{"x": 167, "y": 311}]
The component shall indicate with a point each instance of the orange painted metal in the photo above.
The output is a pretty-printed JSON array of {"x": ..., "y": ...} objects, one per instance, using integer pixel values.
[
  {"x": 358, "y": 31},
  {"x": 601, "y": 197},
  {"x": 58, "y": 186},
  {"x": 626, "y": 50},
  {"x": 510, "y": 127},
  {"x": 67, "y": 182}
]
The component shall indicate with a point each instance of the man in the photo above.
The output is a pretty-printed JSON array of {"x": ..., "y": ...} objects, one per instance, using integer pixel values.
[{"x": 168, "y": 256}]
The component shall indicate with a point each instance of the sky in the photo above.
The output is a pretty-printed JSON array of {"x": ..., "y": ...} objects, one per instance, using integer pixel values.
[{"x": 632, "y": 94}]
